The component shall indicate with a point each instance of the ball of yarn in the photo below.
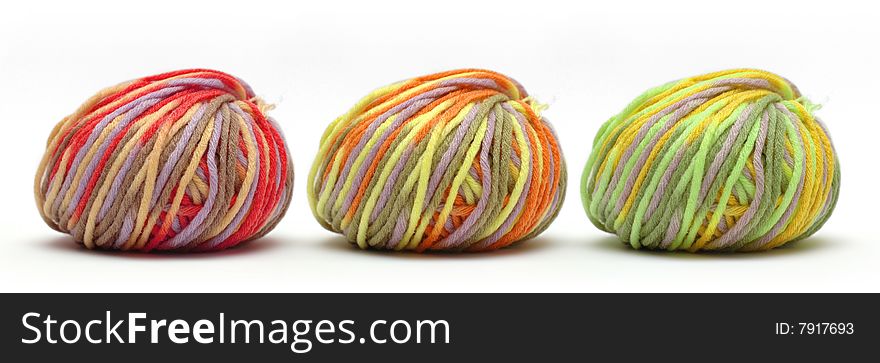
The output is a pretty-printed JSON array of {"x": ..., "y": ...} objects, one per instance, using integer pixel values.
[
  {"x": 454, "y": 161},
  {"x": 180, "y": 161},
  {"x": 732, "y": 160}
]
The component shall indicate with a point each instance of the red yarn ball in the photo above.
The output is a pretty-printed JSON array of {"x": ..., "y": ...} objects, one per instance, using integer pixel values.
[{"x": 181, "y": 161}]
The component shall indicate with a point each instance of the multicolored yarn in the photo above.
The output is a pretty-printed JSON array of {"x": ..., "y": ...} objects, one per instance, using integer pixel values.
[
  {"x": 732, "y": 160},
  {"x": 454, "y": 161},
  {"x": 179, "y": 161}
]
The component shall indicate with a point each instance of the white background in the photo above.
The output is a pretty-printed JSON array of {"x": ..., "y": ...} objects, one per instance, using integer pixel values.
[{"x": 314, "y": 60}]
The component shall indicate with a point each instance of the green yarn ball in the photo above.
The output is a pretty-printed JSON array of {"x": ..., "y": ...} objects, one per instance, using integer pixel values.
[{"x": 733, "y": 161}]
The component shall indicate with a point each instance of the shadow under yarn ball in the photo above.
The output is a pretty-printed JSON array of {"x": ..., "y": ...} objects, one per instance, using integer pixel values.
[
  {"x": 454, "y": 161},
  {"x": 181, "y": 161},
  {"x": 733, "y": 161}
]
